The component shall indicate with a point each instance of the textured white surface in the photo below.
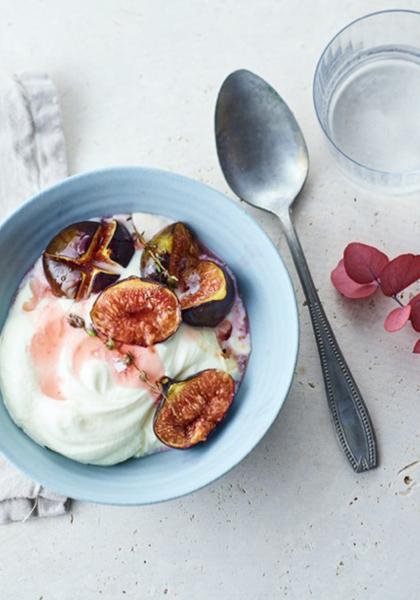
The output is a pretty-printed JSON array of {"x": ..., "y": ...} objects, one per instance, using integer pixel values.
[{"x": 138, "y": 82}]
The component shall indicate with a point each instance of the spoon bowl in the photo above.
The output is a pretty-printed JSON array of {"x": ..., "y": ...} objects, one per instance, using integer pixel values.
[{"x": 261, "y": 148}]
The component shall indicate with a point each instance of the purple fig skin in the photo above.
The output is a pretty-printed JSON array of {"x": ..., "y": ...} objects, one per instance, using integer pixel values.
[
  {"x": 74, "y": 240},
  {"x": 71, "y": 242},
  {"x": 76, "y": 243},
  {"x": 122, "y": 250},
  {"x": 121, "y": 246},
  {"x": 210, "y": 314},
  {"x": 102, "y": 281}
]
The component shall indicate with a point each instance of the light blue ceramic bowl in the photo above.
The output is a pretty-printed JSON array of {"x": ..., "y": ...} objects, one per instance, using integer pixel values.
[{"x": 266, "y": 289}]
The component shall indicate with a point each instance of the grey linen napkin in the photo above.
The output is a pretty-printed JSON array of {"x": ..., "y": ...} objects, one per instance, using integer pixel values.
[{"x": 32, "y": 156}]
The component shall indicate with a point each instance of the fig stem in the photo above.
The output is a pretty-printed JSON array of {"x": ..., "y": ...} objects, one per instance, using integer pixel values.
[
  {"x": 156, "y": 388},
  {"x": 110, "y": 344},
  {"x": 170, "y": 279}
]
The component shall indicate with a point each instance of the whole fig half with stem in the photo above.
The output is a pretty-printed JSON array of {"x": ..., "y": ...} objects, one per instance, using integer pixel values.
[
  {"x": 135, "y": 311},
  {"x": 209, "y": 295},
  {"x": 86, "y": 257},
  {"x": 191, "y": 409}
]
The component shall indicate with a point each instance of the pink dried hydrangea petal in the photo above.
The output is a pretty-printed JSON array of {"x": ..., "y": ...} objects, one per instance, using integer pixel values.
[
  {"x": 415, "y": 312},
  {"x": 364, "y": 263},
  {"x": 400, "y": 273},
  {"x": 397, "y": 318},
  {"x": 349, "y": 288}
]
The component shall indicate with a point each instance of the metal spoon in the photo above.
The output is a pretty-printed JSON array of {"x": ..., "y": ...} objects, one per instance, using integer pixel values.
[{"x": 264, "y": 158}]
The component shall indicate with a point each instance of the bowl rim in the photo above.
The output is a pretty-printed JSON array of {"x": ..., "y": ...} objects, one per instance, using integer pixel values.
[
  {"x": 315, "y": 78},
  {"x": 293, "y": 342}
]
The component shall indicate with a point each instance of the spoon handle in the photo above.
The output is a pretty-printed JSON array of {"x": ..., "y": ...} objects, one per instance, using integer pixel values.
[{"x": 348, "y": 411}]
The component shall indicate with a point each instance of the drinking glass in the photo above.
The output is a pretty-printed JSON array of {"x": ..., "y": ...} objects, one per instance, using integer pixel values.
[{"x": 366, "y": 94}]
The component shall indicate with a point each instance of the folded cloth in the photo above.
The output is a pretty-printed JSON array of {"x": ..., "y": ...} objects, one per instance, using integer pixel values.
[
  {"x": 21, "y": 498},
  {"x": 32, "y": 156}
]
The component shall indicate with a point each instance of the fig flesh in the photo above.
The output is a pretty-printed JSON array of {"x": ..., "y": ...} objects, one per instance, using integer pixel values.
[
  {"x": 191, "y": 409},
  {"x": 86, "y": 257},
  {"x": 209, "y": 295},
  {"x": 176, "y": 247},
  {"x": 135, "y": 311}
]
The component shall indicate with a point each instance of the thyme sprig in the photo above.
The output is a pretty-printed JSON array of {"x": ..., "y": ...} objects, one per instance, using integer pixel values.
[
  {"x": 127, "y": 359},
  {"x": 155, "y": 387},
  {"x": 78, "y": 322},
  {"x": 171, "y": 280}
]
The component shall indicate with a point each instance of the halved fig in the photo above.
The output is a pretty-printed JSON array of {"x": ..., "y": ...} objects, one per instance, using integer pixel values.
[
  {"x": 135, "y": 311},
  {"x": 191, "y": 409},
  {"x": 209, "y": 294},
  {"x": 86, "y": 257},
  {"x": 176, "y": 247}
]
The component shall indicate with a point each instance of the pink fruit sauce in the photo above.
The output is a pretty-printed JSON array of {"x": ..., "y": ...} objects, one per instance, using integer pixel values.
[
  {"x": 54, "y": 336},
  {"x": 147, "y": 359},
  {"x": 45, "y": 350},
  {"x": 40, "y": 289}
]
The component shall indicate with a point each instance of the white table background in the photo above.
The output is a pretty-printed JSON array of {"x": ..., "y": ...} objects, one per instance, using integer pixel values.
[{"x": 138, "y": 82}]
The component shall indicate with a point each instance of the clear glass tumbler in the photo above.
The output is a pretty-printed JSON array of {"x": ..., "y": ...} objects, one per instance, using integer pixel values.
[{"x": 367, "y": 99}]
